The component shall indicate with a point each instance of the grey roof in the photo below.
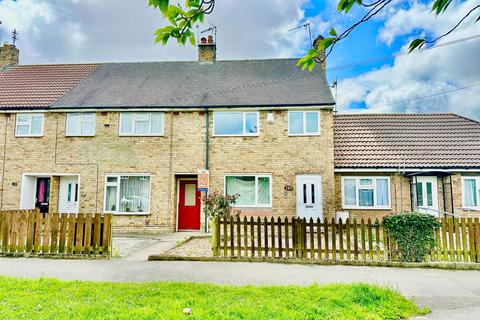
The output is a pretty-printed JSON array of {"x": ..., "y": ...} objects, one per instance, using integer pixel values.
[
  {"x": 276, "y": 82},
  {"x": 425, "y": 140}
]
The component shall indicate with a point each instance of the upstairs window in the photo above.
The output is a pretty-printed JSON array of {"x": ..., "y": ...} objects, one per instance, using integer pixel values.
[
  {"x": 235, "y": 123},
  {"x": 29, "y": 125},
  {"x": 141, "y": 124},
  {"x": 303, "y": 123},
  {"x": 366, "y": 192},
  {"x": 80, "y": 124}
]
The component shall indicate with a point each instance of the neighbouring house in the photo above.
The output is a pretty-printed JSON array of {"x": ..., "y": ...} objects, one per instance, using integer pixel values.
[
  {"x": 386, "y": 163},
  {"x": 133, "y": 139}
]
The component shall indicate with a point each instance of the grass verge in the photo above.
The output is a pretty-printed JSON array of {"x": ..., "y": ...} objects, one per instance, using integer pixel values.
[{"x": 55, "y": 299}]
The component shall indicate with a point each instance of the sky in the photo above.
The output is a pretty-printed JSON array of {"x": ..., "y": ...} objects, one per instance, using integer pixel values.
[{"x": 75, "y": 31}]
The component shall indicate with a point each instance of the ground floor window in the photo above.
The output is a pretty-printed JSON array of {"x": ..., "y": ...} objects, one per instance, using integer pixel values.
[
  {"x": 253, "y": 190},
  {"x": 471, "y": 192},
  {"x": 364, "y": 192},
  {"x": 127, "y": 194}
]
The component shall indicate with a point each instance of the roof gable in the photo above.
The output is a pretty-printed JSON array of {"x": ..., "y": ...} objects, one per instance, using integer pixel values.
[{"x": 430, "y": 140}]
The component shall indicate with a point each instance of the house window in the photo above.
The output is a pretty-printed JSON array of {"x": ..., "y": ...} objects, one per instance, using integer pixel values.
[
  {"x": 301, "y": 123},
  {"x": 253, "y": 190},
  {"x": 80, "y": 124},
  {"x": 141, "y": 123},
  {"x": 366, "y": 192},
  {"x": 471, "y": 192},
  {"x": 127, "y": 194},
  {"x": 29, "y": 125},
  {"x": 235, "y": 123}
]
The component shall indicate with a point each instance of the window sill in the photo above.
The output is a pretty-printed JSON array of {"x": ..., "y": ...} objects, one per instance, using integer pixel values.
[
  {"x": 142, "y": 135},
  {"x": 253, "y": 207},
  {"x": 235, "y": 135},
  {"x": 29, "y": 136},
  {"x": 304, "y": 134},
  {"x": 365, "y": 208},
  {"x": 128, "y": 213},
  {"x": 470, "y": 208},
  {"x": 79, "y": 135}
]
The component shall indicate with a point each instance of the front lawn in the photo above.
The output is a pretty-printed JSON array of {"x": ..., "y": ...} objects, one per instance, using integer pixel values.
[{"x": 55, "y": 299}]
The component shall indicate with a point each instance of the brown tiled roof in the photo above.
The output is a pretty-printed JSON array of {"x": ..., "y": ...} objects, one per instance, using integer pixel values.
[
  {"x": 429, "y": 140},
  {"x": 39, "y": 86}
]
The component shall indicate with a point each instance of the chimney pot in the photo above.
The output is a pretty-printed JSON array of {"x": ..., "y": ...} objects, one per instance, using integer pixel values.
[
  {"x": 203, "y": 40},
  {"x": 210, "y": 39}
]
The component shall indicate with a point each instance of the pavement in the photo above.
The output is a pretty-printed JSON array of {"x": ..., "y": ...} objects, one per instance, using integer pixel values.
[{"x": 449, "y": 294}]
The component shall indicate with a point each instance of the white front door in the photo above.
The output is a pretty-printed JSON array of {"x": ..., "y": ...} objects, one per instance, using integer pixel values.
[
  {"x": 309, "y": 197},
  {"x": 427, "y": 193},
  {"x": 68, "y": 195}
]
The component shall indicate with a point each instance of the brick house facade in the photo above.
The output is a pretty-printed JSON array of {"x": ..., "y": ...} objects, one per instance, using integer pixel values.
[{"x": 131, "y": 138}]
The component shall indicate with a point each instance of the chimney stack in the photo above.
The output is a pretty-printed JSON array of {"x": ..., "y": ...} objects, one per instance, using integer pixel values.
[
  {"x": 321, "y": 54},
  {"x": 8, "y": 55},
  {"x": 207, "y": 50}
]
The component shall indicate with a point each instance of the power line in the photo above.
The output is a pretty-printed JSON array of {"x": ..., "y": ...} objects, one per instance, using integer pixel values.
[
  {"x": 375, "y": 59},
  {"x": 426, "y": 97}
]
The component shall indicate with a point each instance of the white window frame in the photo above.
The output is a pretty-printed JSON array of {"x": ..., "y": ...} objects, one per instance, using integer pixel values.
[
  {"x": 82, "y": 120},
  {"x": 244, "y": 123},
  {"x": 305, "y": 133},
  {"x": 477, "y": 179},
  {"x": 117, "y": 184},
  {"x": 30, "y": 115},
  {"x": 256, "y": 205},
  {"x": 373, "y": 187},
  {"x": 134, "y": 115}
]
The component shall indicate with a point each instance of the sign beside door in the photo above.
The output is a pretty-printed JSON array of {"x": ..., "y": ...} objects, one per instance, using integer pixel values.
[
  {"x": 203, "y": 180},
  {"x": 309, "y": 196}
]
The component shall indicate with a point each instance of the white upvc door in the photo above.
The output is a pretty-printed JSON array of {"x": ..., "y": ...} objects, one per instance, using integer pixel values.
[
  {"x": 427, "y": 193},
  {"x": 68, "y": 194},
  {"x": 309, "y": 196}
]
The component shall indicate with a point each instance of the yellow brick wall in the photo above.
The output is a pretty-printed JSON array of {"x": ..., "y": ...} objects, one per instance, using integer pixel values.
[{"x": 180, "y": 151}]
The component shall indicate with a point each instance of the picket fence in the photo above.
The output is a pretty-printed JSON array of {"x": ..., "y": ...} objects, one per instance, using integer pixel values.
[
  {"x": 29, "y": 232},
  {"x": 457, "y": 240}
]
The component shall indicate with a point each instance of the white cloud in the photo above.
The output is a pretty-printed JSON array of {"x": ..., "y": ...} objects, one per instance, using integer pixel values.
[
  {"x": 53, "y": 31},
  {"x": 420, "y": 74}
]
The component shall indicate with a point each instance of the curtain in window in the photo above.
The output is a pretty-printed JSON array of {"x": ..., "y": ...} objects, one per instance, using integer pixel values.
[
  {"x": 134, "y": 194},
  {"x": 37, "y": 124},
  {"x": 382, "y": 192},
  {"x": 365, "y": 197},
  {"x": 429, "y": 194},
  {"x": 243, "y": 186},
  {"x": 126, "y": 123},
  {"x": 157, "y": 123},
  {"x": 419, "y": 194},
  {"x": 470, "y": 192},
  {"x": 263, "y": 190},
  {"x": 111, "y": 198},
  {"x": 350, "y": 192}
]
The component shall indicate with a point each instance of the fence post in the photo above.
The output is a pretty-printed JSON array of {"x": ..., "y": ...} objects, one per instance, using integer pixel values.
[
  {"x": 299, "y": 237},
  {"x": 216, "y": 237}
]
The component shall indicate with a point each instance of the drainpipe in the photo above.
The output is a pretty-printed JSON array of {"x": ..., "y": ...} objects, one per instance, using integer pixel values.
[
  {"x": 207, "y": 124},
  {"x": 4, "y": 160},
  {"x": 451, "y": 194}
]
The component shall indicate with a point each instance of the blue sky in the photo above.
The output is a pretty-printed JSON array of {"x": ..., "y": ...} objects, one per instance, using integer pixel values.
[{"x": 71, "y": 31}]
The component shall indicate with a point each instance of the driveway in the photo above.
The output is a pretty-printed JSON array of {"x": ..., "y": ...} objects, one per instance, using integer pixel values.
[{"x": 450, "y": 294}]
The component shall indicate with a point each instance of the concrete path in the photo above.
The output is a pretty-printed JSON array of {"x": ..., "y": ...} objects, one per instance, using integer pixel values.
[
  {"x": 450, "y": 294},
  {"x": 151, "y": 244}
]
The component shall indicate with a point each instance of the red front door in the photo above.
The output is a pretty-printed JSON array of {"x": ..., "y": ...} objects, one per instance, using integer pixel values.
[{"x": 188, "y": 206}]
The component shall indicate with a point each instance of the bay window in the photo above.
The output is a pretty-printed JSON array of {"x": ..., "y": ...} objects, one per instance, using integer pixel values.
[
  {"x": 253, "y": 190},
  {"x": 235, "y": 123},
  {"x": 141, "y": 123},
  {"x": 127, "y": 194},
  {"x": 471, "y": 192},
  {"x": 366, "y": 192}
]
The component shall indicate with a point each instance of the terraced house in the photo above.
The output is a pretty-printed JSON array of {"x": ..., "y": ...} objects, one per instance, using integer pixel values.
[{"x": 134, "y": 139}]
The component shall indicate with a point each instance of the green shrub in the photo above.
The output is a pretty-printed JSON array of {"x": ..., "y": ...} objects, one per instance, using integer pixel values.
[
  {"x": 220, "y": 206},
  {"x": 414, "y": 233}
]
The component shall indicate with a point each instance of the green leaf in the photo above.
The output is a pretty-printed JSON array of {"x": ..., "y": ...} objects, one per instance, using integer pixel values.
[
  {"x": 333, "y": 32},
  {"x": 192, "y": 39},
  {"x": 346, "y": 5},
  {"x": 325, "y": 43},
  {"x": 417, "y": 43}
]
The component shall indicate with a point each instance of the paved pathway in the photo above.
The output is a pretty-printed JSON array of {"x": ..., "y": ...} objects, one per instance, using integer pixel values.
[{"x": 450, "y": 294}]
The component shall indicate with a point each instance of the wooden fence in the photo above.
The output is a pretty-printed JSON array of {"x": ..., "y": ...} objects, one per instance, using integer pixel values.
[
  {"x": 457, "y": 240},
  {"x": 29, "y": 232}
]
